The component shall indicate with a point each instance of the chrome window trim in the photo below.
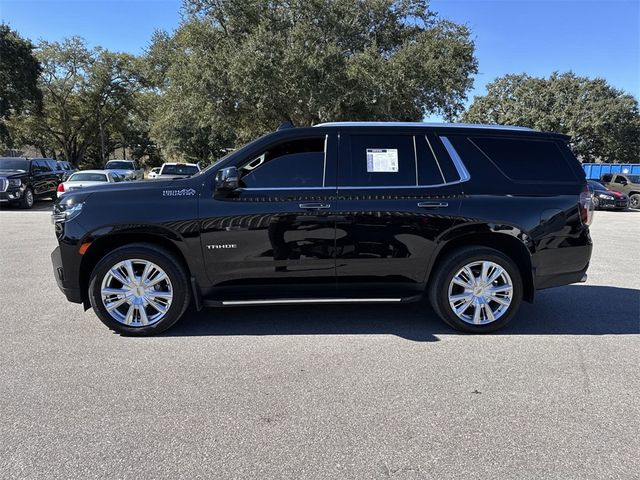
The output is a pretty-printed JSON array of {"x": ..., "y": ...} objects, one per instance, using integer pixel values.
[
  {"x": 457, "y": 161},
  {"x": 352, "y": 187},
  {"x": 324, "y": 167},
  {"x": 415, "y": 157}
]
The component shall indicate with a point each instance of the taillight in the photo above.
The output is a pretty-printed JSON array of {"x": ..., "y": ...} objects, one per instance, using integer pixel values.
[
  {"x": 61, "y": 188},
  {"x": 586, "y": 206}
]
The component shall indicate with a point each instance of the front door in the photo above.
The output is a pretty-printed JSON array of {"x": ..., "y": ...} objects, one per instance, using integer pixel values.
[
  {"x": 395, "y": 200},
  {"x": 275, "y": 236}
]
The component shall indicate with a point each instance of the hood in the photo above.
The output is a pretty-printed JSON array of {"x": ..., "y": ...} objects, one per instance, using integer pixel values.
[
  {"x": 8, "y": 173},
  {"x": 135, "y": 188}
]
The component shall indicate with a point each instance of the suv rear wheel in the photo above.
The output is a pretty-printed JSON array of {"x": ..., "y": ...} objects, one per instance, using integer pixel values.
[
  {"x": 476, "y": 289},
  {"x": 139, "y": 289}
]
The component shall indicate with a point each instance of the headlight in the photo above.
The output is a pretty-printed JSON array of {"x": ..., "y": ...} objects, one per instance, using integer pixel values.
[
  {"x": 605, "y": 196},
  {"x": 15, "y": 182},
  {"x": 65, "y": 212}
]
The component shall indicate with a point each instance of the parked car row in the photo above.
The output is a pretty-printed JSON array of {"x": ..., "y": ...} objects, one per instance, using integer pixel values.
[{"x": 23, "y": 180}]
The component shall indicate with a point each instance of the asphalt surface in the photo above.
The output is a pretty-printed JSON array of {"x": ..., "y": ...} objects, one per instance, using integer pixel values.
[{"x": 329, "y": 392}]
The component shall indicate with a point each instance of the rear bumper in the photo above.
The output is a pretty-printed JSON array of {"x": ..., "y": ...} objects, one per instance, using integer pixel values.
[
  {"x": 557, "y": 280},
  {"x": 73, "y": 294},
  {"x": 563, "y": 262}
]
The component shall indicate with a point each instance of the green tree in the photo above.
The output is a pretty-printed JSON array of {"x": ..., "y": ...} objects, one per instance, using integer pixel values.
[
  {"x": 604, "y": 122},
  {"x": 236, "y": 69},
  {"x": 19, "y": 70},
  {"x": 86, "y": 92}
]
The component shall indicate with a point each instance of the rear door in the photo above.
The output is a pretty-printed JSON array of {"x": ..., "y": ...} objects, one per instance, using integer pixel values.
[
  {"x": 398, "y": 193},
  {"x": 275, "y": 236},
  {"x": 42, "y": 178}
]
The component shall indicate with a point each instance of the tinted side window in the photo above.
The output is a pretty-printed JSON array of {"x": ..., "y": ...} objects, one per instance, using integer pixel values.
[
  {"x": 296, "y": 163},
  {"x": 429, "y": 170},
  {"x": 38, "y": 166},
  {"x": 52, "y": 165},
  {"x": 607, "y": 177},
  {"x": 620, "y": 179},
  {"x": 379, "y": 161},
  {"x": 526, "y": 160}
]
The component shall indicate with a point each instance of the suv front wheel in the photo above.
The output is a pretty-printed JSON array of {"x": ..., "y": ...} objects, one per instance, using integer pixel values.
[
  {"x": 139, "y": 289},
  {"x": 476, "y": 289}
]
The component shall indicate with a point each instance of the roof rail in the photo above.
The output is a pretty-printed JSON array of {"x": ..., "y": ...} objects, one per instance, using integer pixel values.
[{"x": 423, "y": 124}]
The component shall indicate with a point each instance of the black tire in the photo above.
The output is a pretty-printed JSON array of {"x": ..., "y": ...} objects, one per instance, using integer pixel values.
[
  {"x": 28, "y": 199},
  {"x": 634, "y": 200},
  {"x": 163, "y": 259},
  {"x": 446, "y": 270}
]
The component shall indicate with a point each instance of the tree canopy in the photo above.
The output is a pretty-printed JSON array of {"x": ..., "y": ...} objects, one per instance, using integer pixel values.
[
  {"x": 85, "y": 94},
  {"x": 604, "y": 122},
  {"x": 19, "y": 70},
  {"x": 236, "y": 69}
]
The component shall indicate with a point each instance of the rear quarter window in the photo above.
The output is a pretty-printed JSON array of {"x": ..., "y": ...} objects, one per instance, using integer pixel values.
[{"x": 526, "y": 160}]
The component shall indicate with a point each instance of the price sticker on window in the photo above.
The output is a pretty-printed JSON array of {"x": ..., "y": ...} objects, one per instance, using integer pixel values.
[{"x": 382, "y": 160}]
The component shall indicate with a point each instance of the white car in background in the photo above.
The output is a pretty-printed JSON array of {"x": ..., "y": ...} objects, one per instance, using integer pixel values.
[
  {"x": 154, "y": 172},
  {"x": 127, "y": 169},
  {"x": 178, "y": 170},
  {"x": 87, "y": 178}
]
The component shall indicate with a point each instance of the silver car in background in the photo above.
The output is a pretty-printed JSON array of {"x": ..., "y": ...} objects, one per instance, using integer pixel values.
[{"x": 127, "y": 169}]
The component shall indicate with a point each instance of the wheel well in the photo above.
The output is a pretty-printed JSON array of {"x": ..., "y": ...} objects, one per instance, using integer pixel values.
[
  {"x": 104, "y": 245},
  {"x": 506, "y": 244}
]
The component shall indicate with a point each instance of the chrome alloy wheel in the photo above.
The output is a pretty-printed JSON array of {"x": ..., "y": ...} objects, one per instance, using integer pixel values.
[
  {"x": 480, "y": 292},
  {"x": 136, "y": 292}
]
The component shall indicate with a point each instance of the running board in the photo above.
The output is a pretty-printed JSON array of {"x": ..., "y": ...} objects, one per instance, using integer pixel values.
[
  {"x": 295, "y": 301},
  {"x": 299, "y": 301}
]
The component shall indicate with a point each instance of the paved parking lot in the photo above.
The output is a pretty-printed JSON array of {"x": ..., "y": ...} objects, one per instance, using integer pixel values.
[{"x": 325, "y": 392}]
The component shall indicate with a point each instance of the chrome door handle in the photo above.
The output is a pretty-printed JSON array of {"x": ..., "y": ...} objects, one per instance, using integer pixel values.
[
  {"x": 315, "y": 206},
  {"x": 432, "y": 204}
]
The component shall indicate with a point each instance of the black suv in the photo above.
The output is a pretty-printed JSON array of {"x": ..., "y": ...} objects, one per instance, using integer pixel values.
[
  {"x": 477, "y": 218},
  {"x": 23, "y": 180}
]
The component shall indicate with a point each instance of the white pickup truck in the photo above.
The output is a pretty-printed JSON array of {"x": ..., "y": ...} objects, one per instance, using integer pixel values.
[{"x": 177, "y": 170}]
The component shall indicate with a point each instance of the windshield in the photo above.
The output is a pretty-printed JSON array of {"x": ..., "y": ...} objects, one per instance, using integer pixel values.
[
  {"x": 14, "y": 164},
  {"x": 119, "y": 165},
  {"x": 87, "y": 177},
  {"x": 634, "y": 178},
  {"x": 179, "y": 169},
  {"x": 597, "y": 186}
]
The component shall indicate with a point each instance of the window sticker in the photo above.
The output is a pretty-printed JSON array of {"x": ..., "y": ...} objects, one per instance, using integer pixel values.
[{"x": 382, "y": 160}]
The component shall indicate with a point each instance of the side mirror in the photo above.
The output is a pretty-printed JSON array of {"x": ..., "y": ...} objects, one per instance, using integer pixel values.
[{"x": 227, "y": 180}]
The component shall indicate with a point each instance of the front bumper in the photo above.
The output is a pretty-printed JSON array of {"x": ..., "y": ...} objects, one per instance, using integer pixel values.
[
  {"x": 13, "y": 195},
  {"x": 73, "y": 294},
  {"x": 618, "y": 203}
]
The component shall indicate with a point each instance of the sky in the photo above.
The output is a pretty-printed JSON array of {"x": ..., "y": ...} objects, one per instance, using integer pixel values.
[{"x": 592, "y": 38}]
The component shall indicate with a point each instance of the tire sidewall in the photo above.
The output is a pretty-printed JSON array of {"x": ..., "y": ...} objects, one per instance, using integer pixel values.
[
  {"x": 635, "y": 198},
  {"x": 161, "y": 258},
  {"x": 28, "y": 193},
  {"x": 459, "y": 261}
]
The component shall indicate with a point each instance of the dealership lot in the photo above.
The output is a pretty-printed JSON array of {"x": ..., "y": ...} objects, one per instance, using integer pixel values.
[{"x": 323, "y": 392}]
